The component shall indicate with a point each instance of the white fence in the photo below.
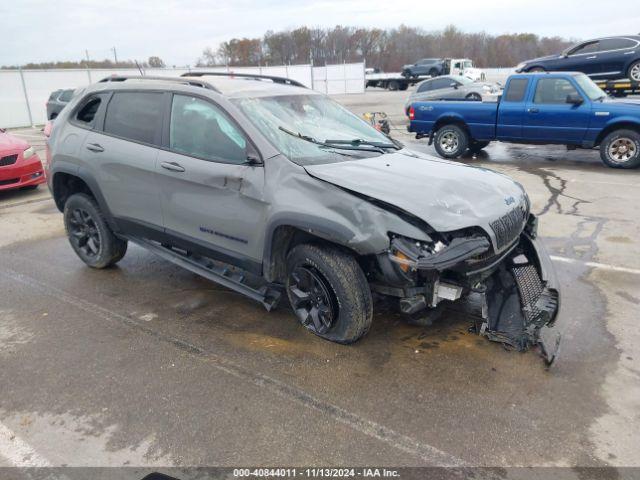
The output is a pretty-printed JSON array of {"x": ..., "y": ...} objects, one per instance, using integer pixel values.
[
  {"x": 24, "y": 93},
  {"x": 339, "y": 79},
  {"x": 498, "y": 75}
]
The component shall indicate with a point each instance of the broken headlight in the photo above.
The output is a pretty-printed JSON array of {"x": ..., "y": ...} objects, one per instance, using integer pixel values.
[{"x": 405, "y": 252}]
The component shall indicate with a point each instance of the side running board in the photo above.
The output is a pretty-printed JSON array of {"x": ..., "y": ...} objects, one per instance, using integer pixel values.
[{"x": 268, "y": 295}]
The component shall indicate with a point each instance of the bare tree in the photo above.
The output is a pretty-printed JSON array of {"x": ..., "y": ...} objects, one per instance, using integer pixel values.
[{"x": 388, "y": 49}]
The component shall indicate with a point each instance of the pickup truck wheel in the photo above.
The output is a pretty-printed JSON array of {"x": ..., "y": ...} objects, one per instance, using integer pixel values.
[
  {"x": 329, "y": 292},
  {"x": 621, "y": 149},
  {"x": 634, "y": 71},
  {"x": 89, "y": 234},
  {"x": 475, "y": 146},
  {"x": 451, "y": 141}
]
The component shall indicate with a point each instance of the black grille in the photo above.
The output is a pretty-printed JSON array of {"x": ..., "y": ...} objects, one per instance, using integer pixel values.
[
  {"x": 508, "y": 227},
  {"x": 9, "y": 182},
  {"x": 8, "y": 160}
]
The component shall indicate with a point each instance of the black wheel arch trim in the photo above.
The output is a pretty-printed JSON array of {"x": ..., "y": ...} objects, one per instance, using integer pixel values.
[
  {"x": 312, "y": 225},
  {"x": 84, "y": 175}
]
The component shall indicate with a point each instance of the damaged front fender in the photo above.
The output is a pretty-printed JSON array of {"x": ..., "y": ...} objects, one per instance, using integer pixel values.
[{"x": 521, "y": 301}]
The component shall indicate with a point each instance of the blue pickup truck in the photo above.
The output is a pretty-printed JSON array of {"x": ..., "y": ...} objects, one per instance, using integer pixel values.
[{"x": 538, "y": 108}]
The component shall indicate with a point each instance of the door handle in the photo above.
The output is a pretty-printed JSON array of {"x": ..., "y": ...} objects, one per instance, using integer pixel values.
[
  {"x": 592, "y": 57},
  {"x": 173, "y": 166},
  {"x": 95, "y": 147},
  {"x": 533, "y": 110}
]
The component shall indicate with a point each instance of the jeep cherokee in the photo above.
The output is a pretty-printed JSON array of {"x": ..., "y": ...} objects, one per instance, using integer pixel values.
[{"x": 266, "y": 187}]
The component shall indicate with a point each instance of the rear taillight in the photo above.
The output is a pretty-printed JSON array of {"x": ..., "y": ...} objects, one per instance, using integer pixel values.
[
  {"x": 48, "y": 128},
  {"x": 412, "y": 113}
]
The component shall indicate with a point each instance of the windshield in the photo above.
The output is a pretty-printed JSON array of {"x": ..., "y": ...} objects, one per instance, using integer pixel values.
[
  {"x": 66, "y": 96},
  {"x": 593, "y": 91},
  {"x": 313, "y": 116}
]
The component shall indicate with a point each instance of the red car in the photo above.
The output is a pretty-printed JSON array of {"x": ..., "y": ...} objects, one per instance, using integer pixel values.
[{"x": 20, "y": 166}]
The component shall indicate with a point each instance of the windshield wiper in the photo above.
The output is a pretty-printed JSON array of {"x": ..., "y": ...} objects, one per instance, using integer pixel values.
[
  {"x": 356, "y": 142},
  {"x": 327, "y": 144}
]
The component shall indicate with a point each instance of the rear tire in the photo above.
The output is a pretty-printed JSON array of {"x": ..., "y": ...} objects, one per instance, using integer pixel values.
[
  {"x": 451, "y": 141},
  {"x": 621, "y": 149},
  {"x": 536, "y": 70},
  {"x": 474, "y": 97},
  {"x": 634, "y": 71},
  {"x": 89, "y": 234},
  {"x": 329, "y": 292},
  {"x": 393, "y": 85},
  {"x": 434, "y": 72}
]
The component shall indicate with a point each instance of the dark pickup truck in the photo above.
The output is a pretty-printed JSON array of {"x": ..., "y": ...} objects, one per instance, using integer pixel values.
[{"x": 537, "y": 108}]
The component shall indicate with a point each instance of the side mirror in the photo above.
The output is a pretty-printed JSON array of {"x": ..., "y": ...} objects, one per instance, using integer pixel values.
[
  {"x": 574, "y": 99},
  {"x": 253, "y": 159}
]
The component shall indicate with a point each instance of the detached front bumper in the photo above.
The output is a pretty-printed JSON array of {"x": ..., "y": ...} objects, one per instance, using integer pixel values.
[
  {"x": 521, "y": 301},
  {"x": 518, "y": 288}
]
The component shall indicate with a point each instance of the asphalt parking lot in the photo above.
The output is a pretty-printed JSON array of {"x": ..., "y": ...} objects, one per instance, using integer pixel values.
[{"x": 147, "y": 364}]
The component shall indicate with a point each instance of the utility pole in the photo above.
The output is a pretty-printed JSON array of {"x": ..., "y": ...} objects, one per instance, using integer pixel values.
[
  {"x": 115, "y": 54},
  {"x": 86, "y": 52}
]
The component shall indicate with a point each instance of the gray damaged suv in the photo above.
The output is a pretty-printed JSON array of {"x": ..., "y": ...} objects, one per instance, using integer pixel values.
[{"x": 267, "y": 187}]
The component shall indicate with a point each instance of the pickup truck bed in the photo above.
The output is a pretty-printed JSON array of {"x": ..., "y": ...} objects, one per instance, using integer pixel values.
[{"x": 538, "y": 108}]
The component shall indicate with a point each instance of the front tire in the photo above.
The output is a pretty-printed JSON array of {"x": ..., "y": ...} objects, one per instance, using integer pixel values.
[
  {"x": 329, "y": 292},
  {"x": 89, "y": 234},
  {"x": 451, "y": 141},
  {"x": 634, "y": 71},
  {"x": 621, "y": 149}
]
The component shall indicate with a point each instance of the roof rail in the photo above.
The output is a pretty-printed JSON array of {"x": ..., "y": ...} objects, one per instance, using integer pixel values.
[
  {"x": 281, "y": 80},
  {"x": 183, "y": 81}
]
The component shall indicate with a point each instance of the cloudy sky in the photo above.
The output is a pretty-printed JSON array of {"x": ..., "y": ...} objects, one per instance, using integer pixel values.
[{"x": 178, "y": 31}]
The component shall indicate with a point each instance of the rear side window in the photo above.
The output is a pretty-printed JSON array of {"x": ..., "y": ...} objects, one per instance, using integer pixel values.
[
  {"x": 616, "y": 44},
  {"x": 517, "y": 89},
  {"x": 424, "y": 87},
  {"x": 201, "y": 130},
  {"x": 441, "y": 83},
  {"x": 553, "y": 90},
  {"x": 135, "y": 116},
  {"x": 86, "y": 115}
]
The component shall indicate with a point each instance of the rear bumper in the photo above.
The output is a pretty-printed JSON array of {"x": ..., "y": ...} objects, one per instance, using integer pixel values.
[{"x": 23, "y": 174}]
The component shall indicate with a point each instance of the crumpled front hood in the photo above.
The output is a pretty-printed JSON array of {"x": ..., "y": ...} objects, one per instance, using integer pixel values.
[
  {"x": 447, "y": 195},
  {"x": 10, "y": 143}
]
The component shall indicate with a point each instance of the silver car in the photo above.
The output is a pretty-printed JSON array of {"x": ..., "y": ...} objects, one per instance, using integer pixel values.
[
  {"x": 452, "y": 87},
  {"x": 272, "y": 189}
]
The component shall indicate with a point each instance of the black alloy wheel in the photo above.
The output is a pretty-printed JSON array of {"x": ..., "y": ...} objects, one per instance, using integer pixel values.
[
  {"x": 84, "y": 233},
  {"x": 311, "y": 299}
]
